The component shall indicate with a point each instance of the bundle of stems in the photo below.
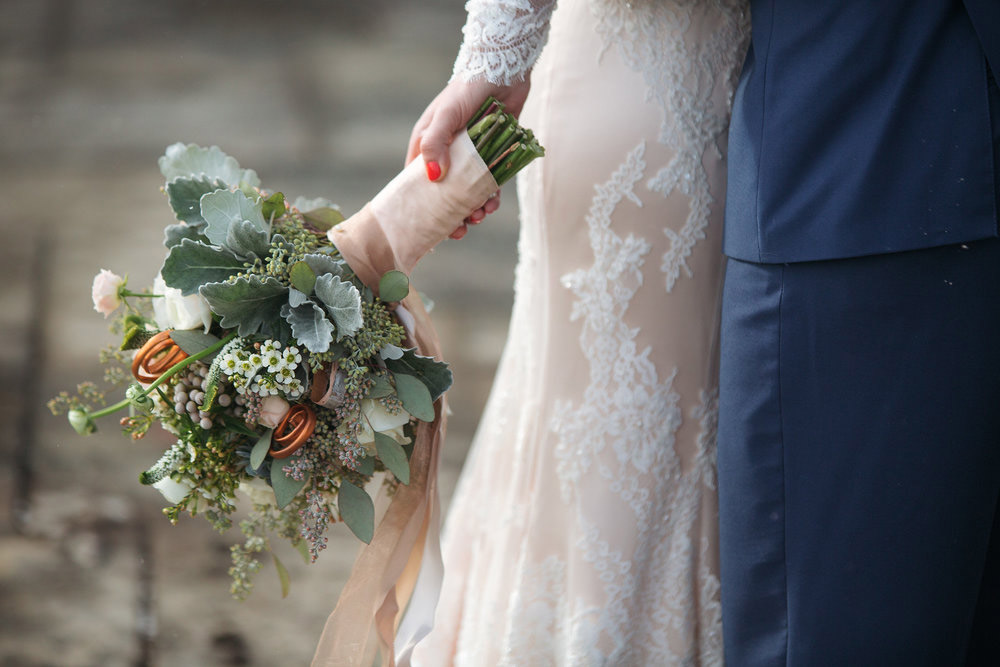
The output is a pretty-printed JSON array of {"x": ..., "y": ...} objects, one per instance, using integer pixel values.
[{"x": 505, "y": 146}]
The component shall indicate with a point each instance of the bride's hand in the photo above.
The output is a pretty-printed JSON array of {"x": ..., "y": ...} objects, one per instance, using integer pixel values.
[{"x": 445, "y": 116}]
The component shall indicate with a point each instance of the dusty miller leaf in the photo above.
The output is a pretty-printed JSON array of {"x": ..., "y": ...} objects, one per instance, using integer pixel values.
[
  {"x": 193, "y": 161},
  {"x": 321, "y": 264},
  {"x": 174, "y": 234},
  {"x": 185, "y": 193},
  {"x": 435, "y": 374},
  {"x": 222, "y": 207},
  {"x": 193, "y": 341},
  {"x": 342, "y": 301},
  {"x": 309, "y": 326},
  {"x": 246, "y": 240},
  {"x": 192, "y": 264},
  {"x": 249, "y": 304}
]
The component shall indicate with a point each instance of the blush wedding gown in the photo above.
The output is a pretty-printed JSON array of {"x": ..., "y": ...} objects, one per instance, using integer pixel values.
[{"x": 583, "y": 530}]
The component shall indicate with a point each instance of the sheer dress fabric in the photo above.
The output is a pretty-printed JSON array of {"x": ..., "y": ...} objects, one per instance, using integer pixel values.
[{"x": 583, "y": 530}]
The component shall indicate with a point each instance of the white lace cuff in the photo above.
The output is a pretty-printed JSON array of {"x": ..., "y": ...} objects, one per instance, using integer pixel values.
[{"x": 502, "y": 39}]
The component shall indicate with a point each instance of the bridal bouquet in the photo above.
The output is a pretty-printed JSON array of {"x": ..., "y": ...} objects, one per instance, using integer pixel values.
[{"x": 281, "y": 346}]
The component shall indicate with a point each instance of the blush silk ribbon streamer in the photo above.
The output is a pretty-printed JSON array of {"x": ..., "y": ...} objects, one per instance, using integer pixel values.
[{"x": 394, "y": 230}]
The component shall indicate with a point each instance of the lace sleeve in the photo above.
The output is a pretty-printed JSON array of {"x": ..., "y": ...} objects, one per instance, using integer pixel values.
[{"x": 502, "y": 39}]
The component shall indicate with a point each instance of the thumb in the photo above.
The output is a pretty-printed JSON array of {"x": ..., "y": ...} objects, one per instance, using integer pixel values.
[{"x": 437, "y": 138}]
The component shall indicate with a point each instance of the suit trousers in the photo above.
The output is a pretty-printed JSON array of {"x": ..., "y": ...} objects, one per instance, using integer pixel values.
[{"x": 859, "y": 460}]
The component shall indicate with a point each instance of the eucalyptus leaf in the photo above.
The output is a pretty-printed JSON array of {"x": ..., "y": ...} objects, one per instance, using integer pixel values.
[
  {"x": 342, "y": 301},
  {"x": 310, "y": 326},
  {"x": 273, "y": 207},
  {"x": 246, "y": 240},
  {"x": 435, "y": 374},
  {"x": 366, "y": 466},
  {"x": 286, "y": 581},
  {"x": 393, "y": 456},
  {"x": 302, "y": 277},
  {"x": 185, "y": 193},
  {"x": 415, "y": 396},
  {"x": 192, "y": 161},
  {"x": 260, "y": 450},
  {"x": 192, "y": 264},
  {"x": 381, "y": 388},
  {"x": 357, "y": 510},
  {"x": 222, "y": 207},
  {"x": 193, "y": 341},
  {"x": 249, "y": 304},
  {"x": 321, "y": 264},
  {"x": 285, "y": 488},
  {"x": 323, "y": 218},
  {"x": 174, "y": 234},
  {"x": 393, "y": 286}
]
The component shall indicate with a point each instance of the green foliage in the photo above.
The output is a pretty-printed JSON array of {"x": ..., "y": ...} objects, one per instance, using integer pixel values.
[
  {"x": 393, "y": 456},
  {"x": 310, "y": 326},
  {"x": 342, "y": 301},
  {"x": 249, "y": 304},
  {"x": 246, "y": 240},
  {"x": 174, "y": 234},
  {"x": 357, "y": 510},
  {"x": 285, "y": 487},
  {"x": 435, "y": 374},
  {"x": 393, "y": 286},
  {"x": 185, "y": 193},
  {"x": 273, "y": 207},
  {"x": 415, "y": 397},
  {"x": 321, "y": 264},
  {"x": 302, "y": 277},
  {"x": 260, "y": 449},
  {"x": 191, "y": 264},
  {"x": 222, "y": 207},
  {"x": 283, "y": 578},
  {"x": 193, "y": 341},
  {"x": 193, "y": 161}
]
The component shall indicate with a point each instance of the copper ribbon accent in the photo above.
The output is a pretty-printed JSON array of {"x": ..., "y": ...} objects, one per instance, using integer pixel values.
[
  {"x": 292, "y": 431},
  {"x": 156, "y": 357}
]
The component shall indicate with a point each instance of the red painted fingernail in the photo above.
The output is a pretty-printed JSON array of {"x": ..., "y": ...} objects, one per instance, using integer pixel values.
[{"x": 433, "y": 171}]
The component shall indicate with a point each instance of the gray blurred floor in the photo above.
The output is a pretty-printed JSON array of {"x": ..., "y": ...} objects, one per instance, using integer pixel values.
[{"x": 318, "y": 97}]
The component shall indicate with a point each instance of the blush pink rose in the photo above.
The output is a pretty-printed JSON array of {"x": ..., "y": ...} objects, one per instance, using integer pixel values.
[
  {"x": 104, "y": 292},
  {"x": 272, "y": 411}
]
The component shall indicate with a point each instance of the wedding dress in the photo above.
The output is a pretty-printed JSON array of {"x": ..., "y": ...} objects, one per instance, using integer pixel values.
[{"x": 583, "y": 530}]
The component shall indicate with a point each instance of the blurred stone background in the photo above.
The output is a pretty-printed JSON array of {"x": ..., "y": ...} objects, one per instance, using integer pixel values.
[{"x": 319, "y": 97}]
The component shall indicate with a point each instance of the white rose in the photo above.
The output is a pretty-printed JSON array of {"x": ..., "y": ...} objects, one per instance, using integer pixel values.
[
  {"x": 173, "y": 490},
  {"x": 272, "y": 411},
  {"x": 257, "y": 490},
  {"x": 374, "y": 417},
  {"x": 176, "y": 311}
]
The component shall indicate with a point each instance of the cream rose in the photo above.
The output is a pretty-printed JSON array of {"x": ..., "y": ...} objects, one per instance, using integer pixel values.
[
  {"x": 105, "y": 290},
  {"x": 173, "y": 490},
  {"x": 375, "y": 418},
  {"x": 176, "y": 311},
  {"x": 257, "y": 490},
  {"x": 272, "y": 411}
]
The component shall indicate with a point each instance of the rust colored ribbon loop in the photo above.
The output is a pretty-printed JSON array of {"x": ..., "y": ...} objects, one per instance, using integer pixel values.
[
  {"x": 292, "y": 432},
  {"x": 156, "y": 357}
]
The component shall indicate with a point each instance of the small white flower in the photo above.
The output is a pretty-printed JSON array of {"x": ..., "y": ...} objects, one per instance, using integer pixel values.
[
  {"x": 292, "y": 356},
  {"x": 294, "y": 387},
  {"x": 285, "y": 374},
  {"x": 230, "y": 364},
  {"x": 273, "y": 360}
]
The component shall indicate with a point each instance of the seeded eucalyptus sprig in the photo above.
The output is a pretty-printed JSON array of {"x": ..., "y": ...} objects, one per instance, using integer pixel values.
[{"x": 504, "y": 145}]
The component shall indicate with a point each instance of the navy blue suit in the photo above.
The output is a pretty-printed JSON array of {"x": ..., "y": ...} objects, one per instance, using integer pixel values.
[{"x": 859, "y": 433}]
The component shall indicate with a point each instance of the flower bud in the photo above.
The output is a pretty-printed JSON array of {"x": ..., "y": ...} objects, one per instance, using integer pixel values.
[
  {"x": 138, "y": 399},
  {"x": 81, "y": 422}
]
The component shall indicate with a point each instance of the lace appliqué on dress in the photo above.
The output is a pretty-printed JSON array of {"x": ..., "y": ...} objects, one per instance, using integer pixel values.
[
  {"x": 502, "y": 39},
  {"x": 684, "y": 75}
]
